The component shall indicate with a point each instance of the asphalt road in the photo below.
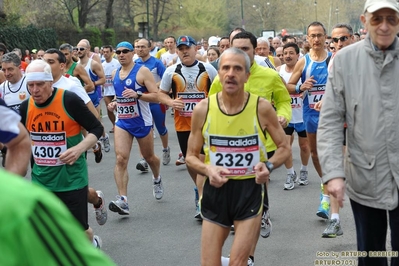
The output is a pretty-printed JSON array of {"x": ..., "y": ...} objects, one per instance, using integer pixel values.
[{"x": 165, "y": 233}]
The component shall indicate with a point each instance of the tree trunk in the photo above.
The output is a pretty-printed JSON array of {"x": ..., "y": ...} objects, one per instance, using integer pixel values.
[
  {"x": 109, "y": 17},
  {"x": 83, "y": 11}
]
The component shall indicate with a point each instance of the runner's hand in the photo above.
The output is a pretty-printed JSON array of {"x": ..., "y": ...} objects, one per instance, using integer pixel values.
[
  {"x": 216, "y": 175},
  {"x": 261, "y": 173},
  {"x": 71, "y": 155}
]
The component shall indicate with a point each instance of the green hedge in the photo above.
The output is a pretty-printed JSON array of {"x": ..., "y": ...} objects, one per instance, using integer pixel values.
[{"x": 28, "y": 38}]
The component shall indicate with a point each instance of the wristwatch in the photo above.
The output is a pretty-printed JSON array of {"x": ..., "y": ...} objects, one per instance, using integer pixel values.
[
  {"x": 139, "y": 94},
  {"x": 269, "y": 166}
]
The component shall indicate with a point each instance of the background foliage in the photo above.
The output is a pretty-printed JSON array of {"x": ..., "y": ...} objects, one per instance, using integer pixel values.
[{"x": 110, "y": 21}]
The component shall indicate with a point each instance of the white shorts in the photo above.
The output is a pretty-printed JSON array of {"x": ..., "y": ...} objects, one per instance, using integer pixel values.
[{"x": 109, "y": 91}]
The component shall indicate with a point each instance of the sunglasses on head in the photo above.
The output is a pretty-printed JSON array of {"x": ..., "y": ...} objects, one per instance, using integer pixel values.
[
  {"x": 124, "y": 51},
  {"x": 377, "y": 20},
  {"x": 79, "y": 48},
  {"x": 342, "y": 39}
]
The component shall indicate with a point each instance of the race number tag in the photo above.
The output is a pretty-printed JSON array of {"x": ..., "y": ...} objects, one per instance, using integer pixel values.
[
  {"x": 316, "y": 94},
  {"x": 47, "y": 147},
  {"x": 238, "y": 154},
  {"x": 190, "y": 100},
  {"x": 126, "y": 108},
  {"x": 296, "y": 101},
  {"x": 108, "y": 81}
]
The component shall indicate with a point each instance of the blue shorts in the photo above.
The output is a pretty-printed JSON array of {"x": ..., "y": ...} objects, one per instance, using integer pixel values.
[
  {"x": 298, "y": 127},
  {"x": 158, "y": 115},
  {"x": 94, "y": 98},
  {"x": 137, "y": 132},
  {"x": 311, "y": 123}
]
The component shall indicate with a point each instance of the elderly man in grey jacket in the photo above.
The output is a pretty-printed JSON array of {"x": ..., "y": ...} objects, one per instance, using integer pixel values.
[{"x": 363, "y": 91}]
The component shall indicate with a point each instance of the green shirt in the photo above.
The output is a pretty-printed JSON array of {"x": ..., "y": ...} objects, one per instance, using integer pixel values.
[
  {"x": 37, "y": 229},
  {"x": 266, "y": 83}
]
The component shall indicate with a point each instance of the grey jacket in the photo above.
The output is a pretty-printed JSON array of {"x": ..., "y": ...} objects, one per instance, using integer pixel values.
[{"x": 363, "y": 91}]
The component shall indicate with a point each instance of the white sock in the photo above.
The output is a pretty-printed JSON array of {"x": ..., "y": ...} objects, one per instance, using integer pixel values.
[
  {"x": 124, "y": 198},
  {"x": 225, "y": 261},
  {"x": 290, "y": 171},
  {"x": 326, "y": 198},
  {"x": 156, "y": 179},
  {"x": 335, "y": 216},
  {"x": 304, "y": 167}
]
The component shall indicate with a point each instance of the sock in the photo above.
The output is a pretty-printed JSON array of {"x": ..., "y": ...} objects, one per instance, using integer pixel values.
[
  {"x": 304, "y": 167},
  {"x": 252, "y": 258},
  {"x": 225, "y": 261},
  {"x": 335, "y": 216},
  {"x": 98, "y": 205},
  {"x": 124, "y": 198},
  {"x": 291, "y": 171},
  {"x": 326, "y": 198},
  {"x": 156, "y": 179},
  {"x": 165, "y": 149}
]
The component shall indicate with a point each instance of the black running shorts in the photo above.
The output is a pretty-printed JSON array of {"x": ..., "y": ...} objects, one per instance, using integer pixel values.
[{"x": 236, "y": 200}]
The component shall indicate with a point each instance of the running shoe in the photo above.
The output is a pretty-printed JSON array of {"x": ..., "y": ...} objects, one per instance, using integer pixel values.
[
  {"x": 157, "y": 189},
  {"x": 97, "y": 241},
  {"x": 303, "y": 178},
  {"x": 180, "y": 160},
  {"x": 333, "y": 229},
  {"x": 98, "y": 154},
  {"x": 142, "y": 166},
  {"x": 105, "y": 142},
  {"x": 101, "y": 212},
  {"x": 290, "y": 182},
  {"x": 266, "y": 225},
  {"x": 250, "y": 262},
  {"x": 166, "y": 156},
  {"x": 119, "y": 205},
  {"x": 323, "y": 210}
]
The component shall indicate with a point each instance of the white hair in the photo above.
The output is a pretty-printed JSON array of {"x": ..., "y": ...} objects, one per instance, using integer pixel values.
[
  {"x": 39, "y": 65},
  {"x": 263, "y": 40}
]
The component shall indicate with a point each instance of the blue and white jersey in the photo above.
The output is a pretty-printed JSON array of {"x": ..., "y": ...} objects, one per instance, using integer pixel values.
[
  {"x": 131, "y": 111},
  {"x": 9, "y": 123},
  {"x": 155, "y": 66},
  {"x": 14, "y": 94},
  {"x": 319, "y": 71}
]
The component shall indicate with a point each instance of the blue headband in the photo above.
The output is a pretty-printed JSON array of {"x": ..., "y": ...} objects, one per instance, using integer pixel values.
[{"x": 128, "y": 45}]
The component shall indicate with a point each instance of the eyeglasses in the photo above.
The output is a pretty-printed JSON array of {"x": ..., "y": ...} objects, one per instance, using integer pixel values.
[
  {"x": 313, "y": 36},
  {"x": 342, "y": 39},
  {"x": 377, "y": 20},
  {"x": 124, "y": 51},
  {"x": 79, "y": 48}
]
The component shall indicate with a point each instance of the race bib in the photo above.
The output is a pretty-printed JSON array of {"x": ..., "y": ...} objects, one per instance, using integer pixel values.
[
  {"x": 296, "y": 101},
  {"x": 126, "y": 108},
  {"x": 238, "y": 154},
  {"x": 47, "y": 147},
  {"x": 190, "y": 100},
  {"x": 315, "y": 94},
  {"x": 108, "y": 81}
]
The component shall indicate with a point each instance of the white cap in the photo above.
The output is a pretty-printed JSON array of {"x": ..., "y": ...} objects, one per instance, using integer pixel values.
[
  {"x": 372, "y": 6},
  {"x": 213, "y": 41}
]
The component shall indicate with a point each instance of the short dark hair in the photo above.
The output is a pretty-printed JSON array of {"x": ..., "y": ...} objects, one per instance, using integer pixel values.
[
  {"x": 291, "y": 44},
  {"x": 236, "y": 29},
  {"x": 246, "y": 35},
  {"x": 357, "y": 34},
  {"x": 315, "y": 24},
  {"x": 108, "y": 46},
  {"x": 61, "y": 57},
  {"x": 344, "y": 25}
]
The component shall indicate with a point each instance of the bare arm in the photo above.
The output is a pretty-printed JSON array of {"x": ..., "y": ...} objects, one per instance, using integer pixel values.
[
  {"x": 268, "y": 120},
  {"x": 81, "y": 73},
  {"x": 19, "y": 152},
  {"x": 277, "y": 61},
  {"x": 96, "y": 58},
  {"x": 144, "y": 76},
  {"x": 195, "y": 142},
  {"x": 296, "y": 75},
  {"x": 99, "y": 71}
]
